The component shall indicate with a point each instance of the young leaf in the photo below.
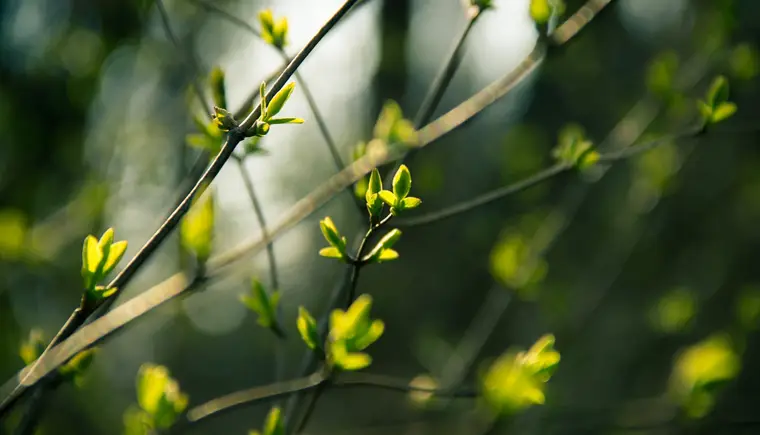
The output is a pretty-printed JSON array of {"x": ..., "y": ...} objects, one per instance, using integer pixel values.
[
  {"x": 197, "y": 228},
  {"x": 723, "y": 112},
  {"x": 262, "y": 304},
  {"x": 307, "y": 327},
  {"x": 388, "y": 197},
  {"x": 402, "y": 182},
  {"x": 331, "y": 252},
  {"x": 216, "y": 82},
  {"x": 224, "y": 119},
  {"x": 331, "y": 234},
  {"x": 409, "y": 203},
  {"x": 286, "y": 121},
  {"x": 273, "y": 424},
  {"x": 387, "y": 255},
  {"x": 32, "y": 348},
  {"x": 385, "y": 244},
  {"x": 279, "y": 100},
  {"x": 114, "y": 256},
  {"x": 718, "y": 92}
]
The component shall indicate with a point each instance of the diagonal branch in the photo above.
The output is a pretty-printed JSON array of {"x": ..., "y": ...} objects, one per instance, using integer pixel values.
[
  {"x": 234, "y": 137},
  {"x": 14, "y": 388}
]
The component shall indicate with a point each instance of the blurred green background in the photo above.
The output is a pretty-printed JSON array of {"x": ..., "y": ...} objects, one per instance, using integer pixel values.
[{"x": 659, "y": 254}]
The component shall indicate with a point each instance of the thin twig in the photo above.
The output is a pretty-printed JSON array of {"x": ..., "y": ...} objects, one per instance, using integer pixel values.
[
  {"x": 439, "y": 85},
  {"x": 234, "y": 137},
  {"x": 259, "y": 212},
  {"x": 302, "y": 209},
  {"x": 190, "y": 61}
]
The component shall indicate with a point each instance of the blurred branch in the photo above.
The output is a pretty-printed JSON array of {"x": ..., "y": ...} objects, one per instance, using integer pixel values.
[
  {"x": 234, "y": 137},
  {"x": 239, "y": 399},
  {"x": 189, "y": 61},
  {"x": 259, "y": 212},
  {"x": 440, "y": 83},
  {"x": 217, "y": 407},
  {"x": 145, "y": 302},
  {"x": 541, "y": 176}
]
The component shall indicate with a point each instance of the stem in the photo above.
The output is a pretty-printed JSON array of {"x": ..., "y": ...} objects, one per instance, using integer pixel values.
[
  {"x": 438, "y": 87},
  {"x": 234, "y": 137},
  {"x": 258, "y": 210},
  {"x": 219, "y": 406}
]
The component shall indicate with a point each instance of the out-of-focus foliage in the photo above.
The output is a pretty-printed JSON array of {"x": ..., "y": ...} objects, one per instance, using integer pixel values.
[
  {"x": 516, "y": 380},
  {"x": 351, "y": 332},
  {"x": 700, "y": 370},
  {"x": 159, "y": 398}
]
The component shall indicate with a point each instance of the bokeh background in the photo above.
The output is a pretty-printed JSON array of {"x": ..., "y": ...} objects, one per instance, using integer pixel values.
[{"x": 625, "y": 270}]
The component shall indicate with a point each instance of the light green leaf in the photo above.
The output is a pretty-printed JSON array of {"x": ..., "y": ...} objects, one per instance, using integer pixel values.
[
  {"x": 273, "y": 424},
  {"x": 216, "y": 82},
  {"x": 389, "y": 116},
  {"x": 331, "y": 252},
  {"x": 279, "y": 100},
  {"x": 402, "y": 182},
  {"x": 114, "y": 256},
  {"x": 331, "y": 234},
  {"x": 385, "y": 243},
  {"x": 197, "y": 228},
  {"x": 32, "y": 348},
  {"x": 722, "y": 112},
  {"x": 91, "y": 258},
  {"x": 151, "y": 383},
  {"x": 388, "y": 197},
  {"x": 286, "y": 121},
  {"x": 262, "y": 304},
  {"x": 374, "y": 332},
  {"x": 353, "y": 361},
  {"x": 718, "y": 92},
  {"x": 387, "y": 255},
  {"x": 410, "y": 202},
  {"x": 307, "y": 327}
]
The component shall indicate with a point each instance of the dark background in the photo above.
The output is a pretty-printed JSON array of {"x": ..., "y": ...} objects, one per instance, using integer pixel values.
[{"x": 93, "y": 114}]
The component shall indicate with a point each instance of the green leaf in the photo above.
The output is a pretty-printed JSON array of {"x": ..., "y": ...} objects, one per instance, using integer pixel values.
[
  {"x": 151, "y": 383},
  {"x": 402, "y": 182},
  {"x": 77, "y": 366},
  {"x": 385, "y": 243},
  {"x": 722, "y": 112},
  {"x": 266, "y": 19},
  {"x": 273, "y": 424},
  {"x": 410, "y": 202},
  {"x": 32, "y": 348},
  {"x": 374, "y": 332},
  {"x": 280, "y": 32},
  {"x": 137, "y": 422},
  {"x": 387, "y": 255},
  {"x": 279, "y": 100},
  {"x": 159, "y": 395},
  {"x": 262, "y": 304},
  {"x": 197, "y": 228},
  {"x": 307, "y": 327},
  {"x": 91, "y": 258},
  {"x": 388, "y": 197},
  {"x": 718, "y": 92},
  {"x": 216, "y": 82},
  {"x": 331, "y": 234},
  {"x": 114, "y": 256},
  {"x": 348, "y": 361},
  {"x": 389, "y": 116},
  {"x": 331, "y": 252},
  {"x": 286, "y": 121},
  {"x": 705, "y": 111},
  {"x": 372, "y": 197}
]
